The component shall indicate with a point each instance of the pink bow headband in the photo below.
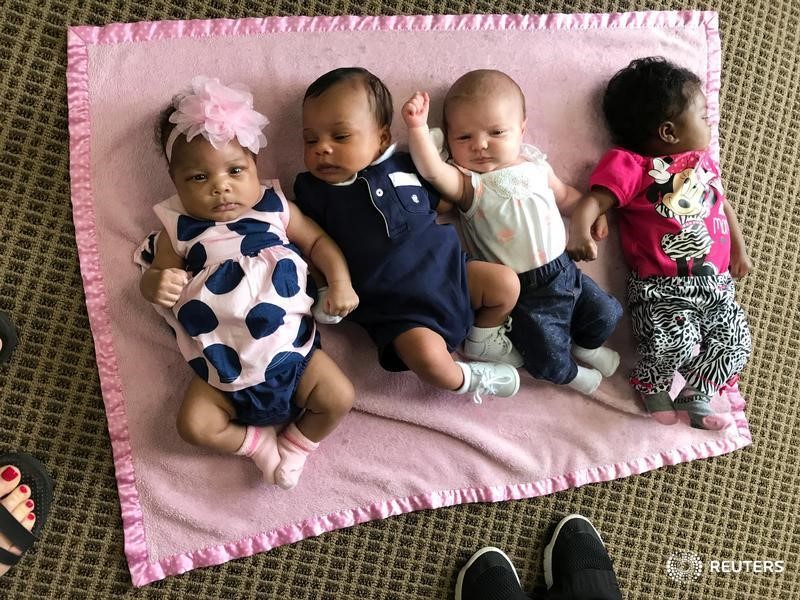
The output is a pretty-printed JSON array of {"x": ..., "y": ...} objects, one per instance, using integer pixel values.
[{"x": 219, "y": 113}]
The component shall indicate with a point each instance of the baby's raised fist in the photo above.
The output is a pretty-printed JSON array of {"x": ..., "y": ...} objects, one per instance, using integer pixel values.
[{"x": 415, "y": 110}]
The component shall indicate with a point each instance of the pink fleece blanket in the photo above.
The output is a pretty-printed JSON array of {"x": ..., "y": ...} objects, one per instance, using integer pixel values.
[{"x": 405, "y": 447}]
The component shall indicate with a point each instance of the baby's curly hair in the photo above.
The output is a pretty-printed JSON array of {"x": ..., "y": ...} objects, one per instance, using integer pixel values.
[{"x": 643, "y": 95}]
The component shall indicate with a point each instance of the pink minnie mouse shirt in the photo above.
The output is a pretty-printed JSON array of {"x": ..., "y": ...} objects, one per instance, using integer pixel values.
[{"x": 671, "y": 218}]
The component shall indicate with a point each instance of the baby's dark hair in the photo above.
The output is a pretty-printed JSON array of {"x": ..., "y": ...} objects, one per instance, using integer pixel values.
[
  {"x": 380, "y": 98},
  {"x": 164, "y": 128},
  {"x": 643, "y": 95}
]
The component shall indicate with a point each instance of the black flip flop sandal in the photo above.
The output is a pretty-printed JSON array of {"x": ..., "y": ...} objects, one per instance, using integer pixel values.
[
  {"x": 36, "y": 477},
  {"x": 9, "y": 337}
]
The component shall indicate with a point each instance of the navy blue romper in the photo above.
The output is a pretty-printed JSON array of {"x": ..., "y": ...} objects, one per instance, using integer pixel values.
[{"x": 407, "y": 269}]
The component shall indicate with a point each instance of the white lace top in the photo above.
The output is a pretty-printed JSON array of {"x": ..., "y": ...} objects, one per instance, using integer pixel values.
[{"x": 514, "y": 219}]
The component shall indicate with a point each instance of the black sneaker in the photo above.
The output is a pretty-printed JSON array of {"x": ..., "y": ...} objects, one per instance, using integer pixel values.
[
  {"x": 489, "y": 575},
  {"x": 576, "y": 563}
]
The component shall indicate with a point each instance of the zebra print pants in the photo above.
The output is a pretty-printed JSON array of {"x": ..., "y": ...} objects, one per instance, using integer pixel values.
[{"x": 674, "y": 316}]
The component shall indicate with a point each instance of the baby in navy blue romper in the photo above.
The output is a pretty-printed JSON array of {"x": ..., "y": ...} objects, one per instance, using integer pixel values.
[{"x": 419, "y": 297}]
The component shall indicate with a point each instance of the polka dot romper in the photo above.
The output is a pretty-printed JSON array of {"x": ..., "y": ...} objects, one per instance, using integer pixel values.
[{"x": 245, "y": 316}]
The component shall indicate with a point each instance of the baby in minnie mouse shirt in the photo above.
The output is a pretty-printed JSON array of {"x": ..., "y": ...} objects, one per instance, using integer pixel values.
[{"x": 680, "y": 238}]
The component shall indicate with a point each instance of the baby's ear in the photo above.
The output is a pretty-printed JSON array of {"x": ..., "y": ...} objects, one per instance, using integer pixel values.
[
  {"x": 667, "y": 133},
  {"x": 386, "y": 138}
]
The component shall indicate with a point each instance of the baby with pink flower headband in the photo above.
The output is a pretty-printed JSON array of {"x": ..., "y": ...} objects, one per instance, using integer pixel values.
[
  {"x": 227, "y": 272},
  {"x": 219, "y": 113}
]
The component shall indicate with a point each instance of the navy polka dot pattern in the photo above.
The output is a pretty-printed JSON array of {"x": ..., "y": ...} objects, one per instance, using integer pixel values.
[
  {"x": 284, "y": 278},
  {"x": 304, "y": 332},
  {"x": 225, "y": 279},
  {"x": 311, "y": 288},
  {"x": 196, "y": 258},
  {"x": 189, "y": 227},
  {"x": 148, "y": 253},
  {"x": 246, "y": 311},
  {"x": 197, "y": 317},
  {"x": 271, "y": 202},
  {"x": 264, "y": 319},
  {"x": 253, "y": 243},
  {"x": 200, "y": 367},
  {"x": 256, "y": 235},
  {"x": 225, "y": 360}
]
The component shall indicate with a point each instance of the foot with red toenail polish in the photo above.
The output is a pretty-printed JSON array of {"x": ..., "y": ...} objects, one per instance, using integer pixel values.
[
  {"x": 23, "y": 506},
  {"x": 14, "y": 498}
]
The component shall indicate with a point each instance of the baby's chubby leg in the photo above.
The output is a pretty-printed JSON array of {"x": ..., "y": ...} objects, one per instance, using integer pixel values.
[
  {"x": 327, "y": 396},
  {"x": 205, "y": 419},
  {"x": 425, "y": 352},
  {"x": 493, "y": 291}
]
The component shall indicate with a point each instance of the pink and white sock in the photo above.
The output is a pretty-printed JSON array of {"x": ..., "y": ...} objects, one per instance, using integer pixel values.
[
  {"x": 261, "y": 445},
  {"x": 294, "y": 449}
]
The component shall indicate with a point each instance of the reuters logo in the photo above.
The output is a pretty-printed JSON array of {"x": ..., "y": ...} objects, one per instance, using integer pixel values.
[{"x": 684, "y": 566}]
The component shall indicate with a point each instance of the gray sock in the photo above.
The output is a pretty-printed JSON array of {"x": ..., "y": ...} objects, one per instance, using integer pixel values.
[
  {"x": 658, "y": 402},
  {"x": 660, "y": 407},
  {"x": 698, "y": 406}
]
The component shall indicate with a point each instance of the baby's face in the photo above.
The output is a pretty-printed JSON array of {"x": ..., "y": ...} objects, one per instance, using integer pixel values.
[
  {"x": 691, "y": 126},
  {"x": 485, "y": 133},
  {"x": 340, "y": 133},
  {"x": 216, "y": 185}
]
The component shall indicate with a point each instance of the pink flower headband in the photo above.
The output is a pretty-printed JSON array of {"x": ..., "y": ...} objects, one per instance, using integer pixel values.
[{"x": 219, "y": 113}]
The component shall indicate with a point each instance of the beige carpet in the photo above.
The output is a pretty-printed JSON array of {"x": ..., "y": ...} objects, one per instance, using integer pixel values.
[{"x": 738, "y": 507}]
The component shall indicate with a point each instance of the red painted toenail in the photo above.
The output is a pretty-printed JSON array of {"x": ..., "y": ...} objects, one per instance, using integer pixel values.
[
  {"x": 31, "y": 517},
  {"x": 29, "y": 503},
  {"x": 9, "y": 473},
  {"x": 23, "y": 489}
]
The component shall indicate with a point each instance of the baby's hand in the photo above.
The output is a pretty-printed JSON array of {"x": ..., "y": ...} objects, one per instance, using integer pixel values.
[
  {"x": 169, "y": 285},
  {"x": 342, "y": 298},
  {"x": 581, "y": 248},
  {"x": 334, "y": 302},
  {"x": 740, "y": 265},
  {"x": 415, "y": 110}
]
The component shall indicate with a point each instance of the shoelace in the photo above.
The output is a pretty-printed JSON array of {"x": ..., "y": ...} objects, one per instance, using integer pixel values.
[
  {"x": 488, "y": 380},
  {"x": 501, "y": 336}
]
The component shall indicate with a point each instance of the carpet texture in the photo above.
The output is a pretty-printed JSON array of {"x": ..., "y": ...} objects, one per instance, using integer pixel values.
[{"x": 739, "y": 507}]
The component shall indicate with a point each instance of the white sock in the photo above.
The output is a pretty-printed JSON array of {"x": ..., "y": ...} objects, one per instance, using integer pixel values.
[
  {"x": 586, "y": 381},
  {"x": 478, "y": 334},
  {"x": 601, "y": 358}
]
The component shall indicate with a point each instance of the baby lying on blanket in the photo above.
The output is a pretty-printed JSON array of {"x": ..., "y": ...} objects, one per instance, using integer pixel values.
[
  {"x": 228, "y": 269},
  {"x": 680, "y": 238},
  {"x": 418, "y": 293},
  {"x": 509, "y": 201}
]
